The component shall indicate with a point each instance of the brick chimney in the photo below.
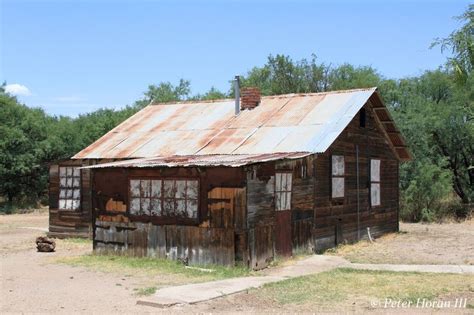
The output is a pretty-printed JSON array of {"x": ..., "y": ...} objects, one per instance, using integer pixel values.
[{"x": 249, "y": 97}]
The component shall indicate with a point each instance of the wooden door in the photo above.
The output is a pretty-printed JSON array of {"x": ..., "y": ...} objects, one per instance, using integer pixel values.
[{"x": 283, "y": 244}]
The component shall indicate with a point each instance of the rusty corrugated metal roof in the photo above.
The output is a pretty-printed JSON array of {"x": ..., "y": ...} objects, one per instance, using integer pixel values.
[
  {"x": 235, "y": 160},
  {"x": 280, "y": 124}
]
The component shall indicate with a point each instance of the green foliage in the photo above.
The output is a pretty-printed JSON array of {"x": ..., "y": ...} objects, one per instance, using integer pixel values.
[
  {"x": 461, "y": 45},
  {"x": 429, "y": 185},
  {"x": 282, "y": 75},
  {"x": 24, "y": 149},
  {"x": 165, "y": 92}
]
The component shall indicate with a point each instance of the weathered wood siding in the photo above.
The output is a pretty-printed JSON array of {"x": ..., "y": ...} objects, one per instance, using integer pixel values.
[
  {"x": 202, "y": 246},
  {"x": 261, "y": 214},
  {"x": 336, "y": 221},
  {"x": 217, "y": 236},
  {"x": 302, "y": 202}
]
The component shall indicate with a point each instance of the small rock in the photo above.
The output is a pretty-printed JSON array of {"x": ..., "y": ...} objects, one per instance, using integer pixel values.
[{"x": 45, "y": 244}]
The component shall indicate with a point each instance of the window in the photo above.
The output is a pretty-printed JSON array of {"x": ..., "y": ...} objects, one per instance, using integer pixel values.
[
  {"x": 375, "y": 182},
  {"x": 167, "y": 197},
  {"x": 69, "y": 188},
  {"x": 337, "y": 176},
  {"x": 283, "y": 191},
  {"x": 362, "y": 117}
]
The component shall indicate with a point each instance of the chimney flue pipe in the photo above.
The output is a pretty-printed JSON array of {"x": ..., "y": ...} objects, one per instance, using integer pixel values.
[{"x": 237, "y": 94}]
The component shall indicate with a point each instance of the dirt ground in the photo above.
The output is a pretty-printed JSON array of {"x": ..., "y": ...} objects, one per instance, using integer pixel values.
[
  {"x": 416, "y": 243},
  {"x": 33, "y": 282}
]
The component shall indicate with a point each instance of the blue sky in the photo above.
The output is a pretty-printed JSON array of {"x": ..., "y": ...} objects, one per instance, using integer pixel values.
[{"x": 72, "y": 57}]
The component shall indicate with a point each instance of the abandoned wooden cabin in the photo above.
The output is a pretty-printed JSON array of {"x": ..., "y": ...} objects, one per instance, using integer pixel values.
[{"x": 235, "y": 181}]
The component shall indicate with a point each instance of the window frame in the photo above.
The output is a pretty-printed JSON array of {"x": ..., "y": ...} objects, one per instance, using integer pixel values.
[
  {"x": 162, "y": 199},
  {"x": 375, "y": 182},
  {"x": 343, "y": 176},
  {"x": 283, "y": 192},
  {"x": 73, "y": 167}
]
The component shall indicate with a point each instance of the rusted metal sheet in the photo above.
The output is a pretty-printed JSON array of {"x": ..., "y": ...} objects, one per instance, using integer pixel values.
[
  {"x": 200, "y": 160},
  {"x": 280, "y": 124}
]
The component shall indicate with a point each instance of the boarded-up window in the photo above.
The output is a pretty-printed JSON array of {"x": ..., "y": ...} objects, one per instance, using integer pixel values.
[
  {"x": 375, "y": 182},
  {"x": 167, "y": 197},
  {"x": 337, "y": 176},
  {"x": 283, "y": 182},
  {"x": 69, "y": 188}
]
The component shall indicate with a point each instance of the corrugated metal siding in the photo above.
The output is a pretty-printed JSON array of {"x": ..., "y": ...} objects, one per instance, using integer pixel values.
[
  {"x": 201, "y": 160},
  {"x": 280, "y": 124}
]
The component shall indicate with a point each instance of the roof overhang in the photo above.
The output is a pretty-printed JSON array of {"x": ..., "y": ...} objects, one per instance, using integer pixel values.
[
  {"x": 199, "y": 160},
  {"x": 389, "y": 128}
]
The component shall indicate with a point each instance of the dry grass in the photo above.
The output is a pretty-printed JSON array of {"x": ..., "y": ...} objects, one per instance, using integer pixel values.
[
  {"x": 346, "y": 288},
  {"x": 448, "y": 243},
  {"x": 162, "y": 271}
]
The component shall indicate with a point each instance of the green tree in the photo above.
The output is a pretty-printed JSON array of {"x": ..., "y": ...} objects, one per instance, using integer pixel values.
[
  {"x": 165, "y": 92},
  {"x": 23, "y": 150},
  {"x": 461, "y": 45}
]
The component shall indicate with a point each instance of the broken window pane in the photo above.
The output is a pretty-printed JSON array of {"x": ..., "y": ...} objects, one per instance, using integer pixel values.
[{"x": 338, "y": 187}]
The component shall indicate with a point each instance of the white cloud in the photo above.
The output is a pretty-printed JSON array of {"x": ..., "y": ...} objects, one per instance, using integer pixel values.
[
  {"x": 17, "y": 89},
  {"x": 65, "y": 99}
]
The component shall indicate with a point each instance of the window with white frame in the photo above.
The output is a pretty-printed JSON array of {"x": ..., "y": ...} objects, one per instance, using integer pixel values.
[
  {"x": 164, "y": 197},
  {"x": 337, "y": 173},
  {"x": 69, "y": 188},
  {"x": 375, "y": 182},
  {"x": 283, "y": 182}
]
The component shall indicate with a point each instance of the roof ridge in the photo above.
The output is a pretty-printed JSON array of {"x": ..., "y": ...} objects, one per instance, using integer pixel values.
[{"x": 152, "y": 103}]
